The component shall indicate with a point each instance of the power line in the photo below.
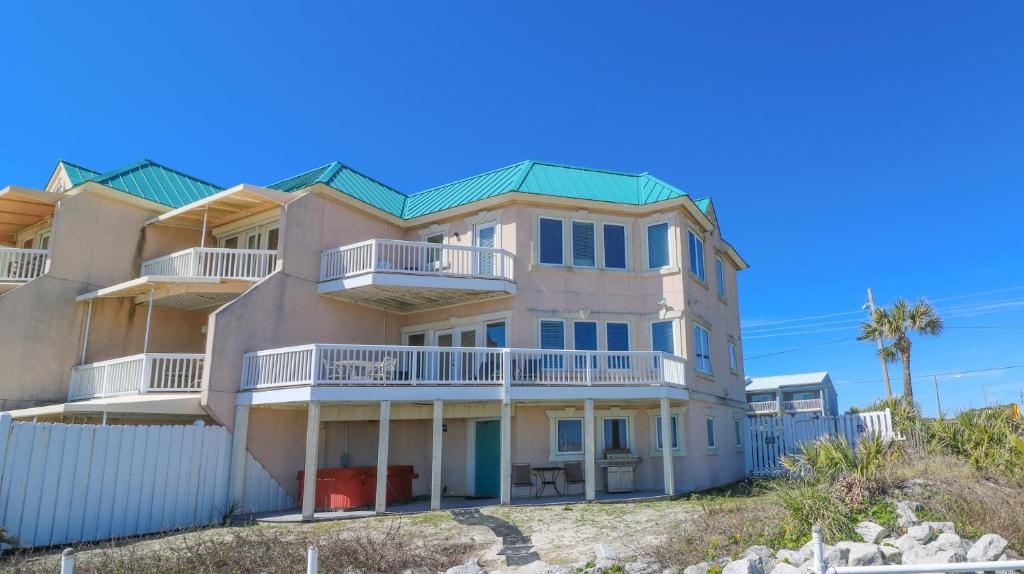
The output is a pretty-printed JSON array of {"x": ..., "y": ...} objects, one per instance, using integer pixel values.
[
  {"x": 968, "y": 372},
  {"x": 773, "y": 353}
]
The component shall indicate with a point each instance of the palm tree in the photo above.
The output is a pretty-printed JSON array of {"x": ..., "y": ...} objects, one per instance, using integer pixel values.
[{"x": 896, "y": 324}]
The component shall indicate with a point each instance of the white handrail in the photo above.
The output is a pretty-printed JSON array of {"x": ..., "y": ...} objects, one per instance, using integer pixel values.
[
  {"x": 137, "y": 374},
  {"x": 377, "y": 365},
  {"x": 803, "y": 405},
  {"x": 415, "y": 258},
  {"x": 214, "y": 262},
  {"x": 18, "y": 264},
  {"x": 763, "y": 407}
]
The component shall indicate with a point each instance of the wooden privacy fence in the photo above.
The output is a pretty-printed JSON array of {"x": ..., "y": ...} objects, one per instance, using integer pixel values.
[
  {"x": 769, "y": 439},
  {"x": 63, "y": 483}
]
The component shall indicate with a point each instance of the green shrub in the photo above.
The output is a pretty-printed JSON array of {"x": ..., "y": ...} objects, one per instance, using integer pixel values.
[{"x": 807, "y": 502}]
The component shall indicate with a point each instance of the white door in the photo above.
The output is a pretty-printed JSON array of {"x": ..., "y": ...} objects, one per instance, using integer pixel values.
[
  {"x": 456, "y": 365},
  {"x": 485, "y": 237}
]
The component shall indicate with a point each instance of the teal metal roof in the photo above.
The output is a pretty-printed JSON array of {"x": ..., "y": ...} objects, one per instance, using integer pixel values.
[
  {"x": 76, "y": 173},
  {"x": 150, "y": 180},
  {"x": 703, "y": 203},
  {"x": 526, "y": 177},
  {"x": 350, "y": 182}
]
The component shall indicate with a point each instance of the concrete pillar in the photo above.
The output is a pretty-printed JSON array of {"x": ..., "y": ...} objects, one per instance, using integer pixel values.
[
  {"x": 435, "y": 463},
  {"x": 589, "y": 465},
  {"x": 312, "y": 452},
  {"x": 238, "y": 449},
  {"x": 506, "y": 452},
  {"x": 667, "y": 457},
  {"x": 383, "y": 437}
]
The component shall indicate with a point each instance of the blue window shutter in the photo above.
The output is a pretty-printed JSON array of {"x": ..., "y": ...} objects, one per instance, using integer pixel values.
[
  {"x": 583, "y": 248},
  {"x": 585, "y": 335},
  {"x": 551, "y": 241},
  {"x": 657, "y": 246},
  {"x": 720, "y": 276},
  {"x": 618, "y": 337},
  {"x": 552, "y": 335},
  {"x": 615, "y": 246},
  {"x": 662, "y": 338}
]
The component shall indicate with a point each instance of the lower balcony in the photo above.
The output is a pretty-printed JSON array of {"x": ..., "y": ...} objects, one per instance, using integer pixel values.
[
  {"x": 18, "y": 266},
  {"x": 200, "y": 278},
  {"x": 138, "y": 375},
  {"x": 409, "y": 276}
]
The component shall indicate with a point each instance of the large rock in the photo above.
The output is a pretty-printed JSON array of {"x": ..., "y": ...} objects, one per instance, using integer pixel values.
[
  {"x": 906, "y": 513},
  {"x": 871, "y": 532},
  {"x": 932, "y": 555},
  {"x": 940, "y": 527},
  {"x": 833, "y": 556},
  {"x": 470, "y": 567},
  {"x": 922, "y": 533},
  {"x": 763, "y": 555},
  {"x": 794, "y": 557},
  {"x": 891, "y": 554},
  {"x": 783, "y": 568},
  {"x": 988, "y": 547},
  {"x": 743, "y": 566},
  {"x": 862, "y": 554},
  {"x": 948, "y": 541},
  {"x": 606, "y": 552},
  {"x": 906, "y": 542},
  {"x": 701, "y": 568}
]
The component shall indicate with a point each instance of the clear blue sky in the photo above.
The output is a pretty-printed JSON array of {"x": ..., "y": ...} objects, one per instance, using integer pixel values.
[{"x": 846, "y": 145}]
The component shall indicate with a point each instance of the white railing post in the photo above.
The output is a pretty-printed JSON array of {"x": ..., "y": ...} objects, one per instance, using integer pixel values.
[
  {"x": 414, "y": 363},
  {"x": 147, "y": 374},
  {"x": 105, "y": 381},
  {"x": 373, "y": 255},
  {"x": 312, "y": 560},
  {"x": 67, "y": 561},
  {"x": 506, "y": 372},
  {"x": 314, "y": 369},
  {"x": 818, "y": 550},
  {"x": 588, "y": 357}
]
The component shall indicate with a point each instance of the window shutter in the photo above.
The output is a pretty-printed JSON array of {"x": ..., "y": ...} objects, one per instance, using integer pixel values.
[
  {"x": 657, "y": 246},
  {"x": 551, "y": 241},
  {"x": 662, "y": 338},
  {"x": 615, "y": 246},
  {"x": 583, "y": 244},
  {"x": 552, "y": 335}
]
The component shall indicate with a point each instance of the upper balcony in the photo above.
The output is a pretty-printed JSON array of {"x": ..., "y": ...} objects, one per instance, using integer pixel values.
[
  {"x": 409, "y": 276},
  {"x": 196, "y": 278},
  {"x": 20, "y": 265},
  {"x": 137, "y": 375},
  {"x": 788, "y": 407}
]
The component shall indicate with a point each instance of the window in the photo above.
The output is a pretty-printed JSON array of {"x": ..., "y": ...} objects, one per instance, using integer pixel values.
[
  {"x": 657, "y": 246},
  {"x": 702, "y": 349},
  {"x": 720, "y": 276},
  {"x": 696, "y": 254},
  {"x": 485, "y": 237},
  {"x": 616, "y": 433},
  {"x": 583, "y": 247},
  {"x": 614, "y": 246},
  {"x": 584, "y": 335},
  {"x": 552, "y": 336},
  {"x": 273, "y": 236},
  {"x": 569, "y": 436},
  {"x": 674, "y": 422},
  {"x": 617, "y": 340},
  {"x": 494, "y": 335},
  {"x": 803, "y": 396},
  {"x": 737, "y": 425},
  {"x": 551, "y": 241},
  {"x": 732, "y": 356},
  {"x": 662, "y": 338},
  {"x": 709, "y": 422}
]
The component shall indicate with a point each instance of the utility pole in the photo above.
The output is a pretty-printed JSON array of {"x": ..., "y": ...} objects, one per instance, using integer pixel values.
[
  {"x": 938, "y": 403},
  {"x": 885, "y": 367}
]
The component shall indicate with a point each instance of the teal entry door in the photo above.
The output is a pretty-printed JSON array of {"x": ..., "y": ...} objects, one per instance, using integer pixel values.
[{"x": 488, "y": 463}]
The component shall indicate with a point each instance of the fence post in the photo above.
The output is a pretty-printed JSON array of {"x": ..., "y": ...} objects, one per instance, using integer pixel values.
[
  {"x": 818, "y": 548},
  {"x": 312, "y": 560},
  {"x": 67, "y": 561}
]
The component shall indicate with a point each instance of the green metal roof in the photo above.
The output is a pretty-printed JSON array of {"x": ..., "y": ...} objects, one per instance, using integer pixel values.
[
  {"x": 150, "y": 180},
  {"x": 350, "y": 182},
  {"x": 76, "y": 173},
  {"x": 526, "y": 177}
]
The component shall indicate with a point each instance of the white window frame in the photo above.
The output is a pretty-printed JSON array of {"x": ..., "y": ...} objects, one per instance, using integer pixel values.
[
  {"x": 720, "y": 277},
  {"x": 702, "y": 276},
  {"x": 627, "y": 420},
  {"x": 734, "y": 362},
  {"x": 540, "y": 240},
  {"x": 711, "y": 432},
  {"x": 625, "y": 246},
  {"x": 678, "y": 413},
  {"x": 697, "y": 344},
  {"x": 670, "y": 264},
  {"x": 262, "y": 229},
  {"x": 554, "y": 455}
]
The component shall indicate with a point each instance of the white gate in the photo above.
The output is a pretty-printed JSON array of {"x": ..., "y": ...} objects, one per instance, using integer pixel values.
[
  {"x": 63, "y": 483},
  {"x": 769, "y": 439}
]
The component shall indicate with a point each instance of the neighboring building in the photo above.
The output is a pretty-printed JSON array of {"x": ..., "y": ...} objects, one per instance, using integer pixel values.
[
  {"x": 535, "y": 314},
  {"x": 806, "y": 393}
]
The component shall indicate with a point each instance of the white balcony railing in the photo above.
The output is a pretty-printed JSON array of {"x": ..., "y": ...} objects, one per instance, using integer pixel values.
[
  {"x": 402, "y": 365},
  {"x": 763, "y": 407},
  {"x": 22, "y": 264},
  {"x": 801, "y": 406},
  {"x": 137, "y": 374},
  {"x": 415, "y": 258},
  {"x": 214, "y": 262}
]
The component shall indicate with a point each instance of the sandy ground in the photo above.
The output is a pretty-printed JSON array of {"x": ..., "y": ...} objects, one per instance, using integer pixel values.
[{"x": 559, "y": 534}]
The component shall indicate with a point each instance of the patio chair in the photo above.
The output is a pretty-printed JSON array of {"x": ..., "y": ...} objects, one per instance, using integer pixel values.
[
  {"x": 522, "y": 476},
  {"x": 385, "y": 370},
  {"x": 331, "y": 371},
  {"x": 574, "y": 475}
]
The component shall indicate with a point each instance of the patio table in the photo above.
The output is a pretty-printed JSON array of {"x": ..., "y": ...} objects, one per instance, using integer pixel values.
[{"x": 547, "y": 475}]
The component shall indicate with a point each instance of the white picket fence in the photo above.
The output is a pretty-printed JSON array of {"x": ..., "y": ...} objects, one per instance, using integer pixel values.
[
  {"x": 769, "y": 439},
  {"x": 63, "y": 483}
]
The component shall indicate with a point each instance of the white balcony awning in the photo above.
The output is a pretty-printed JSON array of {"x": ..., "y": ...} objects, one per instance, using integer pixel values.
[
  {"x": 187, "y": 293},
  {"x": 167, "y": 404},
  {"x": 225, "y": 207},
  {"x": 21, "y": 207}
]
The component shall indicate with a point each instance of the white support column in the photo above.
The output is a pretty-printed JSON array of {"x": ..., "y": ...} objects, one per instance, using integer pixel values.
[
  {"x": 149, "y": 320},
  {"x": 667, "y": 456},
  {"x": 312, "y": 450},
  {"x": 202, "y": 238},
  {"x": 589, "y": 465},
  {"x": 435, "y": 463},
  {"x": 85, "y": 337},
  {"x": 236, "y": 486},
  {"x": 506, "y": 452},
  {"x": 383, "y": 437}
]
